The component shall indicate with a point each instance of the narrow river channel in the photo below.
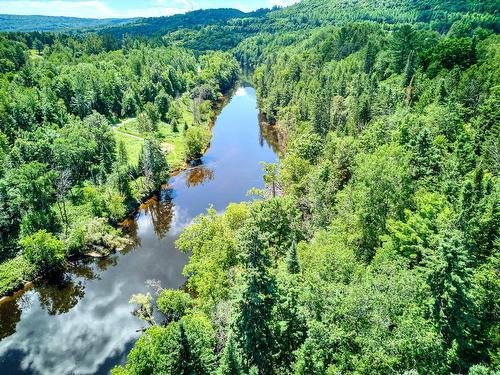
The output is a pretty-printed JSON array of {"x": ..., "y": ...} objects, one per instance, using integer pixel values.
[{"x": 82, "y": 323}]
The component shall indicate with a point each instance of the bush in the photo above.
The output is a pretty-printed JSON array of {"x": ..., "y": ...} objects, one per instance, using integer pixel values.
[
  {"x": 197, "y": 139},
  {"x": 43, "y": 249},
  {"x": 160, "y": 350},
  {"x": 13, "y": 274},
  {"x": 174, "y": 303},
  {"x": 92, "y": 234}
]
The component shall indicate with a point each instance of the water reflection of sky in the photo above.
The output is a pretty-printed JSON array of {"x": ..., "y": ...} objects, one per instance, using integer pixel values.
[{"x": 84, "y": 324}]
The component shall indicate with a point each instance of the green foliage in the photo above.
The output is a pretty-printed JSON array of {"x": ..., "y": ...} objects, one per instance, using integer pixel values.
[
  {"x": 30, "y": 195},
  {"x": 174, "y": 303},
  {"x": 43, "y": 249},
  {"x": 197, "y": 139},
  {"x": 230, "y": 362},
  {"x": 184, "y": 347},
  {"x": 211, "y": 242},
  {"x": 153, "y": 164},
  {"x": 377, "y": 251},
  {"x": 254, "y": 303},
  {"x": 221, "y": 68},
  {"x": 92, "y": 234},
  {"x": 14, "y": 273}
]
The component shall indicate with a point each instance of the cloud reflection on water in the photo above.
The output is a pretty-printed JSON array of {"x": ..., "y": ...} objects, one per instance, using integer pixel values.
[{"x": 93, "y": 327}]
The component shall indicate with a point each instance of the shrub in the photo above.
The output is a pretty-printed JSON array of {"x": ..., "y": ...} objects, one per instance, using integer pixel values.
[
  {"x": 13, "y": 273},
  {"x": 43, "y": 249},
  {"x": 197, "y": 139},
  {"x": 174, "y": 303},
  {"x": 92, "y": 234}
]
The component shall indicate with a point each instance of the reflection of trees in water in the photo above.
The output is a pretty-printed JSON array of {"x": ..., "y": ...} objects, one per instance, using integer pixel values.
[
  {"x": 10, "y": 315},
  {"x": 269, "y": 134},
  {"x": 83, "y": 268},
  {"x": 104, "y": 263},
  {"x": 60, "y": 294},
  {"x": 198, "y": 174},
  {"x": 130, "y": 226},
  {"x": 160, "y": 210}
]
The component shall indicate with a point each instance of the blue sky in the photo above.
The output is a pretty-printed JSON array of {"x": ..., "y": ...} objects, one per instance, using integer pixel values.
[{"x": 126, "y": 8}]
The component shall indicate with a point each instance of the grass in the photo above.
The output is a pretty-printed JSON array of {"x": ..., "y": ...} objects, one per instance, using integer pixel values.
[
  {"x": 173, "y": 141},
  {"x": 13, "y": 274},
  {"x": 132, "y": 145}
]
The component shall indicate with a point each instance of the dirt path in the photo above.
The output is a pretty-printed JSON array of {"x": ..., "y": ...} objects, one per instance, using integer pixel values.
[
  {"x": 117, "y": 126},
  {"x": 166, "y": 146}
]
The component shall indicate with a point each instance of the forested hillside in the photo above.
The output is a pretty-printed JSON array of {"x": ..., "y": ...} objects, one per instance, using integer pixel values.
[
  {"x": 193, "y": 20},
  {"x": 9, "y": 22},
  {"x": 375, "y": 249}
]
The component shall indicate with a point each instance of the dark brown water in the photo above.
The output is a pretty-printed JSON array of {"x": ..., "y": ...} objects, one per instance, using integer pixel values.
[{"x": 82, "y": 322}]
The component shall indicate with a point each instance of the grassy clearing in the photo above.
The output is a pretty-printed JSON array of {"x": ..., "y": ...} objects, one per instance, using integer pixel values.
[
  {"x": 174, "y": 142},
  {"x": 132, "y": 145},
  {"x": 13, "y": 274}
]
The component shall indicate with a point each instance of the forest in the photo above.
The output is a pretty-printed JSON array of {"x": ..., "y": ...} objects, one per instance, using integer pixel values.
[
  {"x": 69, "y": 163},
  {"x": 373, "y": 249}
]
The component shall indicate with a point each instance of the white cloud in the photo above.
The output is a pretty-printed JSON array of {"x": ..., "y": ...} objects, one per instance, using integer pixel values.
[{"x": 91, "y": 9}]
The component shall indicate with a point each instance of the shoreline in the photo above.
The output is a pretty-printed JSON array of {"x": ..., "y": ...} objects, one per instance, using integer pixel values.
[{"x": 25, "y": 285}]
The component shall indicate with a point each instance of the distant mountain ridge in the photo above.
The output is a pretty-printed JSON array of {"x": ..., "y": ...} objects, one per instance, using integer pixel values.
[
  {"x": 190, "y": 20},
  {"x": 13, "y": 23},
  {"x": 118, "y": 27}
]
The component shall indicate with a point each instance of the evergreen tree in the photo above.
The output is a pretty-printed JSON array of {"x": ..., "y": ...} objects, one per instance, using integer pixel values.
[
  {"x": 479, "y": 216},
  {"x": 449, "y": 277},
  {"x": 153, "y": 163},
  {"x": 371, "y": 53},
  {"x": 411, "y": 64},
  {"x": 425, "y": 159},
  {"x": 230, "y": 363},
  {"x": 291, "y": 325},
  {"x": 175, "y": 126},
  {"x": 254, "y": 304},
  {"x": 122, "y": 154},
  {"x": 321, "y": 112},
  {"x": 292, "y": 263},
  {"x": 403, "y": 43},
  {"x": 185, "y": 362}
]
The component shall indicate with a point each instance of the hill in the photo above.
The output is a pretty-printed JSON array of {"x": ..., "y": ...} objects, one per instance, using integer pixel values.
[
  {"x": 192, "y": 20},
  {"x": 16, "y": 23}
]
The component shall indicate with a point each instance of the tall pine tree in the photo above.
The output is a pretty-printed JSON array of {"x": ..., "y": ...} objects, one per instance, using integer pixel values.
[
  {"x": 291, "y": 326},
  {"x": 230, "y": 363},
  {"x": 254, "y": 304}
]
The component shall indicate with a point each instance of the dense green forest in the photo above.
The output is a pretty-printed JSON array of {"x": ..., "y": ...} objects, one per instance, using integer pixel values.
[
  {"x": 69, "y": 167},
  {"x": 374, "y": 248}
]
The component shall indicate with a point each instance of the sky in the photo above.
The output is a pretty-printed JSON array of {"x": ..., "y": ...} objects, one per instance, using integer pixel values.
[{"x": 127, "y": 8}]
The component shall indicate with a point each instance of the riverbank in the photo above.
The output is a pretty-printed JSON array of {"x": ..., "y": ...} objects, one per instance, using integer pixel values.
[
  {"x": 17, "y": 272},
  {"x": 87, "y": 308}
]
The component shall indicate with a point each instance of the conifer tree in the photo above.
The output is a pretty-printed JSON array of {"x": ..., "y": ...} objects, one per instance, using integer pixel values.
[
  {"x": 254, "y": 304},
  {"x": 291, "y": 327},
  {"x": 230, "y": 363},
  {"x": 371, "y": 53},
  {"x": 425, "y": 157},
  {"x": 185, "y": 357},
  {"x": 449, "y": 277},
  {"x": 292, "y": 263}
]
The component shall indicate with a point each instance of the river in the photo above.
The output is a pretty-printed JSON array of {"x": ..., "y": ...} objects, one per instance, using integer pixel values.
[{"x": 82, "y": 322}]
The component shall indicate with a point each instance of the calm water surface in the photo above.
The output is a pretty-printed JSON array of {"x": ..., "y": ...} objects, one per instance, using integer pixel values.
[{"x": 82, "y": 322}]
